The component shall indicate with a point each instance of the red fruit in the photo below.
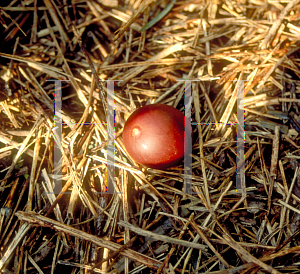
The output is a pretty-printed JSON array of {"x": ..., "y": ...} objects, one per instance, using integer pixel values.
[{"x": 154, "y": 136}]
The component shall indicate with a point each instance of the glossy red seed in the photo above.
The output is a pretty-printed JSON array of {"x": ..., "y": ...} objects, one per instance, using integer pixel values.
[{"x": 154, "y": 136}]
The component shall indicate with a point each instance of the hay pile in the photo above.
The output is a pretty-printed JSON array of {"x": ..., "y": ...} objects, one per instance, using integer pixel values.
[{"x": 149, "y": 225}]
